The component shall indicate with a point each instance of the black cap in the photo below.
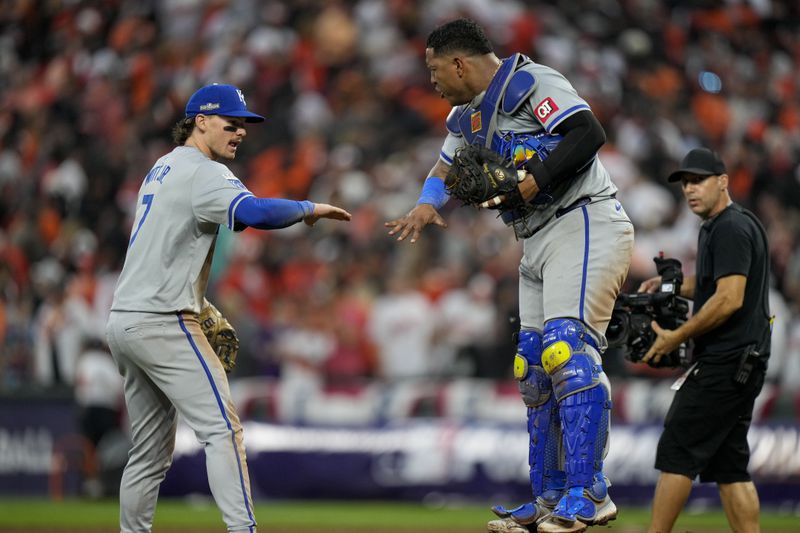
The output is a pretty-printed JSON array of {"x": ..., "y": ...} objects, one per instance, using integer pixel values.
[{"x": 700, "y": 162}]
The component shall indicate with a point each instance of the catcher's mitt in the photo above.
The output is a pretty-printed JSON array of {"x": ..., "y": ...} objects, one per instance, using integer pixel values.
[
  {"x": 479, "y": 173},
  {"x": 221, "y": 335}
]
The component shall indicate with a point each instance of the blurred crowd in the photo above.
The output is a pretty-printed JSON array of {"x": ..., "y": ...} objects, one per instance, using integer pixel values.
[{"x": 89, "y": 91}]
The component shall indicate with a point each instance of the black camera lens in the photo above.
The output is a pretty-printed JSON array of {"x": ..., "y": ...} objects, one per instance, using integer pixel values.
[{"x": 618, "y": 329}]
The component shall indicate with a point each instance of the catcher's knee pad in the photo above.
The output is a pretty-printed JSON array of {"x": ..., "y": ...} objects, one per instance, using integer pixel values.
[
  {"x": 569, "y": 356},
  {"x": 544, "y": 429},
  {"x": 534, "y": 382},
  {"x": 581, "y": 387}
]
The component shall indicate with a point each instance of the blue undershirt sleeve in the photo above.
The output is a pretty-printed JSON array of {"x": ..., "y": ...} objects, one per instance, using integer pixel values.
[{"x": 271, "y": 213}]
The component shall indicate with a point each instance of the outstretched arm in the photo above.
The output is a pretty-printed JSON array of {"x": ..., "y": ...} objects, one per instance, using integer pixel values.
[
  {"x": 326, "y": 211},
  {"x": 425, "y": 212},
  {"x": 276, "y": 213}
]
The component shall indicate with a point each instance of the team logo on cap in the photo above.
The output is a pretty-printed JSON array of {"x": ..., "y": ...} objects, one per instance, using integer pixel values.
[{"x": 209, "y": 107}]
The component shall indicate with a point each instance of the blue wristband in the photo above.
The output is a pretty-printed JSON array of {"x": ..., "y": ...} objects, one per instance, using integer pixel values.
[{"x": 433, "y": 192}]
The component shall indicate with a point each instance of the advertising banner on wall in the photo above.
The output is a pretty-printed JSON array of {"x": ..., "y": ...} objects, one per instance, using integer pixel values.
[
  {"x": 437, "y": 460},
  {"x": 37, "y": 440},
  {"x": 422, "y": 459}
]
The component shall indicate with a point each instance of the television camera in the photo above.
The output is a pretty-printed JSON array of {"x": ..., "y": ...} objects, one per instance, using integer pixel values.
[{"x": 630, "y": 328}]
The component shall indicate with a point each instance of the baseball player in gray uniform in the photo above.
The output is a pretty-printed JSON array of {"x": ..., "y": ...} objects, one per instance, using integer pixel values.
[
  {"x": 167, "y": 364},
  {"x": 577, "y": 243}
]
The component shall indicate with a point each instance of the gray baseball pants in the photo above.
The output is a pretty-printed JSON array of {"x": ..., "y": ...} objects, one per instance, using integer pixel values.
[
  {"x": 575, "y": 266},
  {"x": 169, "y": 368}
]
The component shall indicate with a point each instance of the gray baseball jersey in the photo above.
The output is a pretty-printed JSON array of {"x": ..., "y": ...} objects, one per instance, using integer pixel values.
[
  {"x": 552, "y": 101},
  {"x": 182, "y": 202},
  {"x": 576, "y": 262},
  {"x": 166, "y": 362}
]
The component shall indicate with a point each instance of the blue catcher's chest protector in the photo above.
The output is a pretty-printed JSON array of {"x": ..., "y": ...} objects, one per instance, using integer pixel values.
[
  {"x": 519, "y": 147},
  {"x": 507, "y": 92},
  {"x": 478, "y": 124}
]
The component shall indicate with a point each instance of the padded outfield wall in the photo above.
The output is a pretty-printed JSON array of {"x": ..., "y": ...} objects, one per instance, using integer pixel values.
[{"x": 373, "y": 452}]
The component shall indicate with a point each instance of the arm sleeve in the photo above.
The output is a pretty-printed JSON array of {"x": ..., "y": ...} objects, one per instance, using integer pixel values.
[
  {"x": 271, "y": 213},
  {"x": 583, "y": 137}
]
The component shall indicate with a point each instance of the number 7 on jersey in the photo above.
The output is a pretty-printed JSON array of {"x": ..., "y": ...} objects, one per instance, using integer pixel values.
[{"x": 147, "y": 201}]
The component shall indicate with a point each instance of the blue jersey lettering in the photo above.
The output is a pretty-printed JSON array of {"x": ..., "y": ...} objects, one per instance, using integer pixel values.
[
  {"x": 157, "y": 173},
  {"x": 147, "y": 202},
  {"x": 236, "y": 183}
]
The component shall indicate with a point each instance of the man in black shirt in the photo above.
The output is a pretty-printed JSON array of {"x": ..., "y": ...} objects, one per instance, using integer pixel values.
[{"x": 705, "y": 430}]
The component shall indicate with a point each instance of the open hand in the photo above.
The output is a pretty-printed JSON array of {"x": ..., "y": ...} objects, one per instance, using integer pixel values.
[
  {"x": 667, "y": 341},
  {"x": 651, "y": 285},
  {"x": 326, "y": 211},
  {"x": 414, "y": 221}
]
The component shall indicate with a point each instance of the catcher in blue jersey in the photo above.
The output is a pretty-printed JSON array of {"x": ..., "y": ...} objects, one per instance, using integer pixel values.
[{"x": 521, "y": 140}]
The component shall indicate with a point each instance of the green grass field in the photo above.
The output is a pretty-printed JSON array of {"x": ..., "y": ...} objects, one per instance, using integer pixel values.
[{"x": 178, "y": 515}]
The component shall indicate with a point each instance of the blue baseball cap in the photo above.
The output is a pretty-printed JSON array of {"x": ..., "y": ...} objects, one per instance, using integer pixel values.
[{"x": 219, "y": 99}]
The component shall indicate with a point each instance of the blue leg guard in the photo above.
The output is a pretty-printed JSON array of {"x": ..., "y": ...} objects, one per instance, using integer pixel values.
[
  {"x": 544, "y": 430},
  {"x": 571, "y": 358}
]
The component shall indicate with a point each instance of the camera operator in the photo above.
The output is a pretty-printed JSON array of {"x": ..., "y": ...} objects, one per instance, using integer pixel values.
[{"x": 705, "y": 430}]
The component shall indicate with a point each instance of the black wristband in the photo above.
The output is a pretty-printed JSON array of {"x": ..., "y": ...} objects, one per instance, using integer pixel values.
[{"x": 540, "y": 174}]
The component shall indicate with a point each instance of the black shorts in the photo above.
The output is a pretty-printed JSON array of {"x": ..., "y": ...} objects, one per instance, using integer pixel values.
[{"x": 705, "y": 430}]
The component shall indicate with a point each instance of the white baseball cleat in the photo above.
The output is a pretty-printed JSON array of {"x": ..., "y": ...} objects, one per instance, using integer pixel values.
[
  {"x": 522, "y": 519},
  {"x": 551, "y": 525},
  {"x": 573, "y": 515},
  {"x": 606, "y": 512},
  {"x": 507, "y": 525}
]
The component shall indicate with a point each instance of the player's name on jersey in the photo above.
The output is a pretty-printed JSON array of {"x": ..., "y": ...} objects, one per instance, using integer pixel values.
[{"x": 157, "y": 173}]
